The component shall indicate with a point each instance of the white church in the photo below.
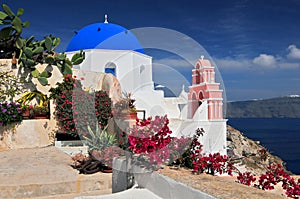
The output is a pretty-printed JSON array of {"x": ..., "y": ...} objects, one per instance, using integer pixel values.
[{"x": 111, "y": 48}]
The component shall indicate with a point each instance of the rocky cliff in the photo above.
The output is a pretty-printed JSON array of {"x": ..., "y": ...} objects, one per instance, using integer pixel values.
[{"x": 248, "y": 155}]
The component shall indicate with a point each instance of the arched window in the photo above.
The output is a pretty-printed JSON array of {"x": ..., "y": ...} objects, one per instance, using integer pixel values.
[
  {"x": 142, "y": 68},
  {"x": 110, "y": 67}
]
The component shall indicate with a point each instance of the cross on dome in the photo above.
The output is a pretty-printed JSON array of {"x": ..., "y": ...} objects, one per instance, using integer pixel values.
[{"x": 105, "y": 19}]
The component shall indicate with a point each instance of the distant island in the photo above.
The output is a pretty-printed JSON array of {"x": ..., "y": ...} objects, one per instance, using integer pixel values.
[{"x": 280, "y": 107}]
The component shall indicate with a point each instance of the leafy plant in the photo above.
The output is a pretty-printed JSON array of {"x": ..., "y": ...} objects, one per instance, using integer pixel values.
[
  {"x": 103, "y": 145},
  {"x": 10, "y": 86},
  {"x": 9, "y": 113},
  {"x": 27, "y": 97},
  {"x": 12, "y": 27},
  {"x": 30, "y": 51},
  {"x": 99, "y": 139}
]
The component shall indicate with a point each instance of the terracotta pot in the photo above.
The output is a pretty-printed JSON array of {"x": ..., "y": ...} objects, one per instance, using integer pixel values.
[
  {"x": 40, "y": 116},
  {"x": 126, "y": 116},
  {"x": 106, "y": 169},
  {"x": 26, "y": 113}
]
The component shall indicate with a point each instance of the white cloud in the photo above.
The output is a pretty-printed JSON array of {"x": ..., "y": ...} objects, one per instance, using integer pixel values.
[
  {"x": 294, "y": 52},
  {"x": 265, "y": 60}
]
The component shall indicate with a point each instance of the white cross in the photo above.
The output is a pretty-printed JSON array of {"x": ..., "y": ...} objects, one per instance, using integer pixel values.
[{"x": 105, "y": 19}]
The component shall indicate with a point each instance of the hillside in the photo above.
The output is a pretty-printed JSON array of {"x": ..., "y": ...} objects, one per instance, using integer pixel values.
[
  {"x": 281, "y": 107},
  {"x": 248, "y": 154}
]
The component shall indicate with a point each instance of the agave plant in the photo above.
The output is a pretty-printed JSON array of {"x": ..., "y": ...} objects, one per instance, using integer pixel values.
[{"x": 99, "y": 139}]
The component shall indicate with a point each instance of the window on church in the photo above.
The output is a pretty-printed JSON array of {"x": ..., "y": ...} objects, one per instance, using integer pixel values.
[
  {"x": 142, "y": 68},
  {"x": 110, "y": 67}
]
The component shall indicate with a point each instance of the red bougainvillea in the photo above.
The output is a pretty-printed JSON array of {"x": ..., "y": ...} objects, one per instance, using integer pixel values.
[
  {"x": 274, "y": 175},
  {"x": 150, "y": 138}
]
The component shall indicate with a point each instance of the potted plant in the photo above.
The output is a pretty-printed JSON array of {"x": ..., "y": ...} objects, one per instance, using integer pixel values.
[
  {"x": 102, "y": 146},
  {"x": 41, "y": 112},
  {"x": 26, "y": 109},
  {"x": 125, "y": 108}
]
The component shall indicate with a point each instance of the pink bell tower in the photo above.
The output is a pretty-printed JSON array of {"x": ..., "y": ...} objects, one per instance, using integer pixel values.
[{"x": 204, "y": 88}]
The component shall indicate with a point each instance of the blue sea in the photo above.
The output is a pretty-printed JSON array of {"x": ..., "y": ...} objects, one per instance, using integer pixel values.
[{"x": 281, "y": 136}]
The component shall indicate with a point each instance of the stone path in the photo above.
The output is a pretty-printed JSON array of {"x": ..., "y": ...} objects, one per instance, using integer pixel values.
[{"x": 46, "y": 173}]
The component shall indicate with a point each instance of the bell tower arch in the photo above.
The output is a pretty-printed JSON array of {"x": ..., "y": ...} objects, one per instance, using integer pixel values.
[{"x": 204, "y": 88}]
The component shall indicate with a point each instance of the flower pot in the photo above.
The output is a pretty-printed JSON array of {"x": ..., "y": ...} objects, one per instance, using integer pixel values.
[
  {"x": 131, "y": 116},
  {"x": 26, "y": 113},
  {"x": 40, "y": 116},
  {"x": 106, "y": 169},
  {"x": 126, "y": 116}
]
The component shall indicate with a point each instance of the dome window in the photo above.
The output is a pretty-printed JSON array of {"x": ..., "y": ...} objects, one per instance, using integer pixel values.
[{"x": 110, "y": 67}]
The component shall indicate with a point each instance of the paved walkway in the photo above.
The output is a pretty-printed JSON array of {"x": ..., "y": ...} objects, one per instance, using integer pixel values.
[
  {"x": 128, "y": 194},
  {"x": 45, "y": 173}
]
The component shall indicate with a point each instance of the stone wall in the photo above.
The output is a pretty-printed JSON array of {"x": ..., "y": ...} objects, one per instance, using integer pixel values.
[{"x": 27, "y": 134}]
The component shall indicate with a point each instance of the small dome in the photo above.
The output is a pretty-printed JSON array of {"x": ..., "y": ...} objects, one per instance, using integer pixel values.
[{"x": 104, "y": 36}]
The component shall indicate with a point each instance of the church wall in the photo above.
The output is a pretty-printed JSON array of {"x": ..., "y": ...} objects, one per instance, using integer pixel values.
[
  {"x": 144, "y": 72},
  {"x": 213, "y": 139}
]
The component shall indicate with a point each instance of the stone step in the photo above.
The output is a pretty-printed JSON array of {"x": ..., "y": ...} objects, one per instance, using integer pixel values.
[
  {"x": 44, "y": 172},
  {"x": 83, "y": 184},
  {"x": 72, "y": 196}
]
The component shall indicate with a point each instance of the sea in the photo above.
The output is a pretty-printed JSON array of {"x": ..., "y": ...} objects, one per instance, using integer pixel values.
[{"x": 281, "y": 136}]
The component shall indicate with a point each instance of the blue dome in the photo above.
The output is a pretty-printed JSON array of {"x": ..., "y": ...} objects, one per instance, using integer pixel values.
[{"x": 104, "y": 36}]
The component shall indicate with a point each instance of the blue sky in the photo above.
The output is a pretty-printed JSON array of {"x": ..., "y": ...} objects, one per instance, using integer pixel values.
[{"x": 255, "y": 44}]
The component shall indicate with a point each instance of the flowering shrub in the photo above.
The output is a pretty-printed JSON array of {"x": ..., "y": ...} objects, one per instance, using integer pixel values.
[
  {"x": 274, "y": 175},
  {"x": 246, "y": 178},
  {"x": 212, "y": 163},
  {"x": 68, "y": 84},
  {"x": 149, "y": 137},
  {"x": 76, "y": 108},
  {"x": 10, "y": 112},
  {"x": 73, "y": 112},
  {"x": 152, "y": 141},
  {"x": 103, "y": 107},
  {"x": 186, "y": 150}
]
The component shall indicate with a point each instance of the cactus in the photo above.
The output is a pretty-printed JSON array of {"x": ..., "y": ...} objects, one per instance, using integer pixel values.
[
  {"x": 32, "y": 52},
  {"x": 11, "y": 30}
]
